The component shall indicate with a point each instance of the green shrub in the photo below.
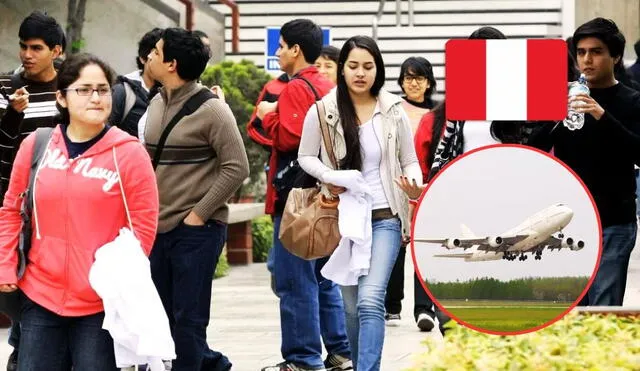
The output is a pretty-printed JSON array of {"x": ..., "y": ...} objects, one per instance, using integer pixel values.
[
  {"x": 242, "y": 83},
  {"x": 222, "y": 269},
  {"x": 262, "y": 232},
  {"x": 576, "y": 342}
]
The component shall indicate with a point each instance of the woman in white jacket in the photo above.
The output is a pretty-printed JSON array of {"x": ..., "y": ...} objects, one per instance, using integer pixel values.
[{"x": 371, "y": 133}]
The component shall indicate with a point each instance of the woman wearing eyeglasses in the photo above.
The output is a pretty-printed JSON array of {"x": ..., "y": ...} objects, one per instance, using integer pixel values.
[
  {"x": 418, "y": 84},
  {"x": 94, "y": 180}
]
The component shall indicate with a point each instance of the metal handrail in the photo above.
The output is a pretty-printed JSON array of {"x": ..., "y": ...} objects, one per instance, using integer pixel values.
[
  {"x": 410, "y": 13},
  {"x": 376, "y": 19},
  {"x": 235, "y": 24}
]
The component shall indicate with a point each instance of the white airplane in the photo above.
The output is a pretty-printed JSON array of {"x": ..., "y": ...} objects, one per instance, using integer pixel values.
[{"x": 533, "y": 235}]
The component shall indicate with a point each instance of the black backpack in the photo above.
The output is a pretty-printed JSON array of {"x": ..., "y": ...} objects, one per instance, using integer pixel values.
[
  {"x": 135, "y": 105},
  {"x": 289, "y": 174}
]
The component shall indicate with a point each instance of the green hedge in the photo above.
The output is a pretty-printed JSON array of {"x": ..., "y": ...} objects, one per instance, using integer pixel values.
[
  {"x": 575, "y": 343},
  {"x": 241, "y": 83},
  {"x": 262, "y": 231},
  {"x": 222, "y": 269}
]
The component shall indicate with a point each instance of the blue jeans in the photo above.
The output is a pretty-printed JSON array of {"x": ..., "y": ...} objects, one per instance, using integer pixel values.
[
  {"x": 182, "y": 264},
  {"x": 364, "y": 303},
  {"x": 54, "y": 343},
  {"x": 310, "y": 308},
  {"x": 611, "y": 279}
]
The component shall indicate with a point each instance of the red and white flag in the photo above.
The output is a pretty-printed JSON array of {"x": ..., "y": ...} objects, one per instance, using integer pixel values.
[{"x": 506, "y": 79}]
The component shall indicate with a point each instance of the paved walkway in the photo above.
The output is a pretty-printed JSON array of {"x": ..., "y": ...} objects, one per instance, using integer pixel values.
[{"x": 245, "y": 321}]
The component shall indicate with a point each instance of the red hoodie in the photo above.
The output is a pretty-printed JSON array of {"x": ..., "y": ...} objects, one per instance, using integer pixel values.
[
  {"x": 78, "y": 208},
  {"x": 285, "y": 125}
]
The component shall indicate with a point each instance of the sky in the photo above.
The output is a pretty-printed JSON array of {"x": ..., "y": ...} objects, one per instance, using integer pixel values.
[{"x": 492, "y": 191}]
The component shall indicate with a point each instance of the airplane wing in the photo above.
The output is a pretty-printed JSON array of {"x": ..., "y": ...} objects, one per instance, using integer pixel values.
[
  {"x": 507, "y": 242},
  {"x": 483, "y": 244},
  {"x": 555, "y": 243},
  {"x": 464, "y": 243}
]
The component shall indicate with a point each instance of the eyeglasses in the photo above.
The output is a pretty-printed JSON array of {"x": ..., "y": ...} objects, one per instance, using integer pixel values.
[
  {"x": 419, "y": 79},
  {"x": 86, "y": 91}
]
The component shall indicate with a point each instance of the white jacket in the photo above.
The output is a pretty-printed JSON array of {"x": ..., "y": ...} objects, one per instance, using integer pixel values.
[
  {"x": 352, "y": 258},
  {"x": 396, "y": 143},
  {"x": 134, "y": 315}
]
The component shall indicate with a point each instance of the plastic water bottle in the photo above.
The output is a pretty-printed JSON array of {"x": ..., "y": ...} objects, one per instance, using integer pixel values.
[{"x": 575, "y": 120}]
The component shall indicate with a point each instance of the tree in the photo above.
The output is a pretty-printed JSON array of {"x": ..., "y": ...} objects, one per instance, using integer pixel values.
[
  {"x": 242, "y": 83},
  {"x": 75, "y": 21}
]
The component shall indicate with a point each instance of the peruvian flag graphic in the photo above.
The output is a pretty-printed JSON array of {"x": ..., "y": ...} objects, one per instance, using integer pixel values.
[{"x": 506, "y": 79}]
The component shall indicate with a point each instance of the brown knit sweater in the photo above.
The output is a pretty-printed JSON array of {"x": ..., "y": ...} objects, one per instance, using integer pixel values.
[{"x": 203, "y": 162}]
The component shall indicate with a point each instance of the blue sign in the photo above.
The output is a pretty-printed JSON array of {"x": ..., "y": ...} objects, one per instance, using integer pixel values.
[{"x": 272, "y": 43}]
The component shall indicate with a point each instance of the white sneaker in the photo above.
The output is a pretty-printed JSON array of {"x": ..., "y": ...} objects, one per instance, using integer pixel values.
[
  {"x": 425, "y": 322},
  {"x": 392, "y": 320}
]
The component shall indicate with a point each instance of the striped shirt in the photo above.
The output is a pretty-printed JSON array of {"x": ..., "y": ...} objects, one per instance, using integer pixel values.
[{"x": 14, "y": 126}]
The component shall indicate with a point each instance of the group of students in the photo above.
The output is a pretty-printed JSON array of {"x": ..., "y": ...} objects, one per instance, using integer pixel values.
[
  {"x": 95, "y": 179},
  {"x": 399, "y": 144}
]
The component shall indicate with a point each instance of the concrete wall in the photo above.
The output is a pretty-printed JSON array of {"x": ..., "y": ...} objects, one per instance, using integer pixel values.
[
  {"x": 112, "y": 28},
  {"x": 626, "y": 14}
]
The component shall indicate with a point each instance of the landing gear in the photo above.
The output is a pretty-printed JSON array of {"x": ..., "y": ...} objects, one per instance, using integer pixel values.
[
  {"x": 509, "y": 256},
  {"x": 523, "y": 257},
  {"x": 538, "y": 255}
]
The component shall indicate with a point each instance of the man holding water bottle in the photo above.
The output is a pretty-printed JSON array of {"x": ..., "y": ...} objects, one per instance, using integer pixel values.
[{"x": 603, "y": 151}]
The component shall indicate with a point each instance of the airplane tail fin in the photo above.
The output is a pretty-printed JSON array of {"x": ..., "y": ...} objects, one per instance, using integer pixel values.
[{"x": 467, "y": 232}]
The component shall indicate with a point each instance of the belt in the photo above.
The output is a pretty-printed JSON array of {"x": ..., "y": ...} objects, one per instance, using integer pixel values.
[{"x": 380, "y": 214}]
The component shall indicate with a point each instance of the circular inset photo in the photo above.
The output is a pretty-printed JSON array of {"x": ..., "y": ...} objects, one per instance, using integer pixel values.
[{"x": 506, "y": 239}]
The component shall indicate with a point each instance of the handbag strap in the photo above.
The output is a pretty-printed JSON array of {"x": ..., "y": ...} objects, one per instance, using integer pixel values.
[
  {"x": 124, "y": 198},
  {"x": 324, "y": 128}
]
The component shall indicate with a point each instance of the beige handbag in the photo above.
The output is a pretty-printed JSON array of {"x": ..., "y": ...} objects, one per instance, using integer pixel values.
[{"x": 309, "y": 225}]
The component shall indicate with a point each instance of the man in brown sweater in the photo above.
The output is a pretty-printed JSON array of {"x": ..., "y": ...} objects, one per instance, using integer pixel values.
[{"x": 202, "y": 164}]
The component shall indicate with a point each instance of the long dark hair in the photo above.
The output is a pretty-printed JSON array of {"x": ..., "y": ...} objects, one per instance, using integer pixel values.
[
  {"x": 70, "y": 72},
  {"x": 346, "y": 110}
]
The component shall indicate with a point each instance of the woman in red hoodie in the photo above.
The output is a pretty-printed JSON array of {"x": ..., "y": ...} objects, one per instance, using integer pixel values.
[{"x": 78, "y": 206}]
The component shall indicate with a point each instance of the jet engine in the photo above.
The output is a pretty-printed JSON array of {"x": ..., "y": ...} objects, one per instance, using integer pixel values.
[
  {"x": 568, "y": 242},
  {"x": 494, "y": 241},
  {"x": 452, "y": 243},
  {"x": 577, "y": 246}
]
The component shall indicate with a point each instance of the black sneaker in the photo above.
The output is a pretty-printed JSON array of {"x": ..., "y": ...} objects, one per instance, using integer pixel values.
[
  {"x": 287, "y": 366},
  {"x": 425, "y": 322},
  {"x": 335, "y": 362},
  {"x": 12, "y": 364},
  {"x": 392, "y": 320}
]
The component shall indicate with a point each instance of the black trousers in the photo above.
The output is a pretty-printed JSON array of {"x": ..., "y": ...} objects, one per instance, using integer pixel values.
[{"x": 395, "y": 290}]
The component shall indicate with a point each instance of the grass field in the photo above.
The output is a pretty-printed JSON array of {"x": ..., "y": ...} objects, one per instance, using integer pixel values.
[{"x": 504, "y": 315}]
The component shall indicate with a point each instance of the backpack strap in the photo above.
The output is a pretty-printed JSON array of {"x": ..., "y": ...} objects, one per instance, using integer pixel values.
[
  {"x": 43, "y": 135},
  {"x": 129, "y": 99},
  {"x": 190, "y": 106},
  {"x": 315, "y": 92}
]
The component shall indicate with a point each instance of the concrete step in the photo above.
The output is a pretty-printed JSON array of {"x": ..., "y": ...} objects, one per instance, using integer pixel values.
[
  {"x": 371, "y": 7},
  {"x": 416, "y": 32}
]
